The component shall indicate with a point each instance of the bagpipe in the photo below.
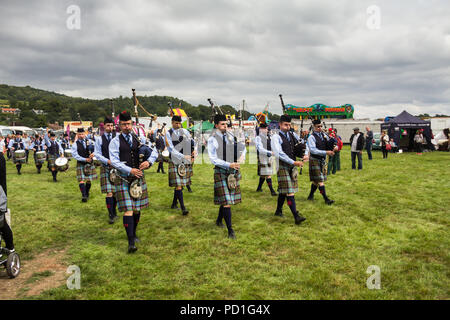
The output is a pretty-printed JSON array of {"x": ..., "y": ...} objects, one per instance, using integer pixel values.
[
  {"x": 144, "y": 151},
  {"x": 299, "y": 145},
  {"x": 330, "y": 142}
]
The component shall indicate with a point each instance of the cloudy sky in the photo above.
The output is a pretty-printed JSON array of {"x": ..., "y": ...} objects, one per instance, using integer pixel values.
[{"x": 382, "y": 60}]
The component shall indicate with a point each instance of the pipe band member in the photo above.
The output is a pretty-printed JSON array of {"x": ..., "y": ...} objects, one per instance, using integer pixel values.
[
  {"x": 317, "y": 168},
  {"x": 102, "y": 153},
  {"x": 83, "y": 152},
  {"x": 264, "y": 153},
  {"x": 224, "y": 154},
  {"x": 124, "y": 154},
  {"x": 283, "y": 147},
  {"x": 15, "y": 145},
  {"x": 179, "y": 143},
  {"x": 38, "y": 145},
  {"x": 54, "y": 150}
]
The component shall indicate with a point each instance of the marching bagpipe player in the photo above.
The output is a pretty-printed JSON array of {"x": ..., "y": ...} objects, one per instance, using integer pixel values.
[
  {"x": 83, "y": 152},
  {"x": 263, "y": 143},
  {"x": 102, "y": 153},
  {"x": 181, "y": 148},
  {"x": 38, "y": 145},
  {"x": 284, "y": 146},
  {"x": 15, "y": 145},
  {"x": 130, "y": 156},
  {"x": 54, "y": 150},
  {"x": 226, "y": 154},
  {"x": 319, "y": 146}
]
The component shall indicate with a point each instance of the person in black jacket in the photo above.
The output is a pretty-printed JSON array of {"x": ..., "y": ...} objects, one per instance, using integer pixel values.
[
  {"x": 5, "y": 230},
  {"x": 357, "y": 146}
]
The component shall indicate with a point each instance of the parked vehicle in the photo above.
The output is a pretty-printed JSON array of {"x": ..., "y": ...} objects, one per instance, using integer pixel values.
[{"x": 376, "y": 145}]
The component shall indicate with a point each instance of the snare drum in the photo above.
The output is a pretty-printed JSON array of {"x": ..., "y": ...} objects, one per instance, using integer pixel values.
[
  {"x": 40, "y": 156},
  {"x": 20, "y": 156},
  {"x": 165, "y": 155},
  {"x": 62, "y": 164},
  {"x": 68, "y": 153}
]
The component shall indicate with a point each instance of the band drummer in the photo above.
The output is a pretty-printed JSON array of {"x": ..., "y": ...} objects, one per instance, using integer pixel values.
[
  {"x": 83, "y": 152},
  {"x": 283, "y": 147},
  {"x": 15, "y": 145},
  {"x": 38, "y": 145},
  {"x": 224, "y": 155},
  {"x": 54, "y": 150},
  {"x": 102, "y": 153},
  {"x": 264, "y": 154},
  {"x": 124, "y": 155},
  {"x": 179, "y": 143},
  {"x": 317, "y": 143}
]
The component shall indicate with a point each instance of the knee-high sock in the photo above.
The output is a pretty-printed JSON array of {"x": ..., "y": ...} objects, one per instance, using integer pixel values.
[
  {"x": 128, "y": 223},
  {"x": 261, "y": 181},
  {"x": 88, "y": 187},
  {"x": 281, "y": 198},
  {"x": 19, "y": 166},
  {"x": 291, "y": 204},
  {"x": 220, "y": 216},
  {"x": 180, "y": 198},
  {"x": 137, "y": 217},
  {"x": 322, "y": 191},
  {"x": 175, "y": 198},
  {"x": 114, "y": 205},
  {"x": 82, "y": 188},
  {"x": 110, "y": 205},
  {"x": 227, "y": 217},
  {"x": 269, "y": 183},
  {"x": 159, "y": 166},
  {"x": 188, "y": 187},
  {"x": 54, "y": 174},
  {"x": 7, "y": 236},
  {"x": 313, "y": 189}
]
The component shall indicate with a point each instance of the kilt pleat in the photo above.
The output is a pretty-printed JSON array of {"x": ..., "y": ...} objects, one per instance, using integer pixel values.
[
  {"x": 51, "y": 158},
  {"x": 124, "y": 201},
  {"x": 105, "y": 184},
  {"x": 286, "y": 184},
  {"x": 317, "y": 170},
  {"x": 223, "y": 195},
  {"x": 81, "y": 176}
]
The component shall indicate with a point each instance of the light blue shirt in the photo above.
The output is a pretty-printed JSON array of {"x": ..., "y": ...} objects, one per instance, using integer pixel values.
[
  {"x": 174, "y": 153},
  {"x": 74, "y": 149},
  {"x": 313, "y": 149},
  {"x": 48, "y": 143},
  {"x": 114, "y": 154},
  {"x": 37, "y": 143},
  {"x": 98, "y": 148},
  {"x": 278, "y": 149},
  {"x": 213, "y": 145},
  {"x": 261, "y": 148}
]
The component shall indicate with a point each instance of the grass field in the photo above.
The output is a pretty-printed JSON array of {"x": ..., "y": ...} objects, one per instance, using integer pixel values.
[{"x": 393, "y": 214}]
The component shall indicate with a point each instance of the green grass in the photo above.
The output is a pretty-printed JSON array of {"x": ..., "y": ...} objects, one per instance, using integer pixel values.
[
  {"x": 394, "y": 214},
  {"x": 39, "y": 275}
]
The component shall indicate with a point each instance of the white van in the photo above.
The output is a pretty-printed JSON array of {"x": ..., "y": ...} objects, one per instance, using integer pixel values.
[
  {"x": 4, "y": 131},
  {"x": 22, "y": 130}
]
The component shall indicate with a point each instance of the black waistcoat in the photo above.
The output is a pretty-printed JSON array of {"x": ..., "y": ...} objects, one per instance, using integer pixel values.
[
  {"x": 105, "y": 144},
  {"x": 53, "y": 149},
  {"x": 321, "y": 144},
  {"x": 82, "y": 151},
  {"x": 38, "y": 145},
  {"x": 18, "y": 145},
  {"x": 230, "y": 149},
  {"x": 127, "y": 154},
  {"x": 288, "y": 146},
  {"x": 266, "y": 142}
]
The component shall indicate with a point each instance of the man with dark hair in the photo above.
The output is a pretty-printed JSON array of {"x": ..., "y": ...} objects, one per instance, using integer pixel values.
[
  {"x": 16, "y": 144},
  {"x": 226, "y": 156},
  {"x": 369, "y": 142},
  {"x": 65, "y": 143},
  {"x": 357, "y": 145},
  {"x": 317, "y": 143},
  {"x": 54, "y": 150},
  {"x": 283, "y": 147},
  {"x": 179, "y": 143},
  {"x": 264, "y": 153},
  {"x": 83, "y": 152},
  {"x": 124, "y": 153},
  {"x": 102, "y": 153}
]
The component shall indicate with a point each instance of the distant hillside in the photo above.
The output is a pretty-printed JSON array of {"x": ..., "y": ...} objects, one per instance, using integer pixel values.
[{"x": 59, "y": 107}]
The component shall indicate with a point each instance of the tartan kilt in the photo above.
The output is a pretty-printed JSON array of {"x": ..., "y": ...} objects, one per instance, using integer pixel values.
[
  {"x": 175, "y": 180},
  {"x": 317, "y": 170},
  {"x": 260, "y": 165},
  {"x": 124, "y": 201},
  {"x": 105, "y": 184},
  {"x": 223, "y": 195},
  {"x": 51, "y": 160},
  {"x": 286, "y": 184},
  {"x": 81, "y": 176}
]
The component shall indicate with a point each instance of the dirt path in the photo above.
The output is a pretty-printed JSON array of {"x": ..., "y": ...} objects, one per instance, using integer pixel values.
[{"x": 53, "y": 274}]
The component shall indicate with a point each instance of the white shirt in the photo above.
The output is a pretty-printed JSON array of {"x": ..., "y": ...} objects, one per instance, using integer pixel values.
[{"x": 355, "y": 142}]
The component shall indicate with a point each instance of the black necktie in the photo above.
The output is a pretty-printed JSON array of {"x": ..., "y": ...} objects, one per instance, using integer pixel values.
[
  {"x": 108, "y": 137},
  {"x": 127, "y": 137},
  {"x": 224, "y": 148}
]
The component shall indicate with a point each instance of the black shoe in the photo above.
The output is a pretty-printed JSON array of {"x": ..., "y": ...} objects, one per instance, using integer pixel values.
[
  {"x": 185, "y": 212},
  {"x": 84, "y": 199},
  {"x": 279, "y": 214},
  {"x": 329, "y": 202},
  {"x": 299, "y": 219},
  {"x": 220, "y": 224},
  {"x": 310, "y": 198},
  {"x": 54, "y": 180},
  {"x": 273, "y": 193},
  {"x": 189, "y": 190},
  {"x": 258, "y": 190},
  {"x": 174, "y": 206},
  {"x": 132, "y": 248},
  {"x": 231, "y": 234},
  {"x": 111, "y": 219}
]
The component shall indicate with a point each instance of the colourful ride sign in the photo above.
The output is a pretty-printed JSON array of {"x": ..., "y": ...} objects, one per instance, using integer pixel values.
[{"x": 320, "y": 111}]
